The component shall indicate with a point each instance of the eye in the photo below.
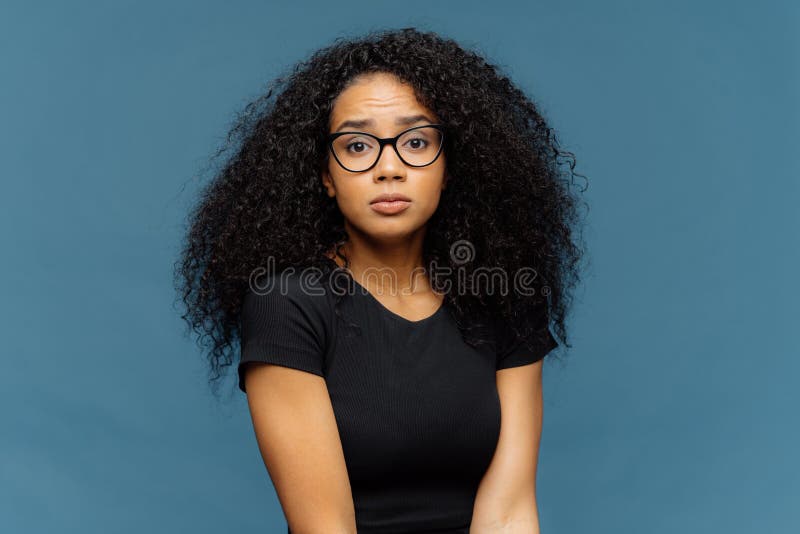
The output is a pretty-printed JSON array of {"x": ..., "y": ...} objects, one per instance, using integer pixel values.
[
  {"x": 356, "y": 146},
  {"x": 417, "y": 143}
]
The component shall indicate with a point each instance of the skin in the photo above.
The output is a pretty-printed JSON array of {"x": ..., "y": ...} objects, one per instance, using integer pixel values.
[
  {"x": 381, "y": 244},
  {"x": 506, "y": 497},
  {"x": 291, "y": 410}
]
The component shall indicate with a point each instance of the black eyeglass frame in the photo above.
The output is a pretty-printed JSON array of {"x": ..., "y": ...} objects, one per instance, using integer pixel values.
[{"x": 383, "y": 141}]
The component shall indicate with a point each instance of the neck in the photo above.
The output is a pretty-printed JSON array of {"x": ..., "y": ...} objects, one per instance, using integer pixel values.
[{"x": 388, "y": 265}]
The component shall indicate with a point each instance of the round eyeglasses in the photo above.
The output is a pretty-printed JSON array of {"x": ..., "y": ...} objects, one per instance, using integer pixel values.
[{"x": 359, "y": 151}]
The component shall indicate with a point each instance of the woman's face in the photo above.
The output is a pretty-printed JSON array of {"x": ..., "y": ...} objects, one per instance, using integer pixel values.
[{"x": 381, "y": 101}]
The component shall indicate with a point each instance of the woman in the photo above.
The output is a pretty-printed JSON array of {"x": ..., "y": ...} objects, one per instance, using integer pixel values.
[{"x": 377, "y": 401}]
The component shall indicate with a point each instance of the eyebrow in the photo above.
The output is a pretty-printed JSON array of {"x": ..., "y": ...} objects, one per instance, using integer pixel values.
[{"x": 400, "y": 121}]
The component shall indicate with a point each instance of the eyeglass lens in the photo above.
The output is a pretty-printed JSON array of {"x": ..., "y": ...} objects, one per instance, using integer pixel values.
[{"x": 418, "y": 147}]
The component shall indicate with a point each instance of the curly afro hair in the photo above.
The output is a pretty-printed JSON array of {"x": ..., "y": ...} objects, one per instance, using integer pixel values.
[{"x": 510, "y": 198}]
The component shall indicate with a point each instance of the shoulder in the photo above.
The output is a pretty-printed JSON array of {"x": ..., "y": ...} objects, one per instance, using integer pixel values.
[
  {"x": 290, "y": 278},
  {"x": 289, "y": 296},
  {"x": 304, "y": 289},
  {"x": 525, "y": 341},
  {"x": 285, "y": 320}
]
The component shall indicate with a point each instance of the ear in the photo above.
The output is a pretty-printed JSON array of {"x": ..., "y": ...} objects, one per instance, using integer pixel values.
[
  {"x": 327, "y": 181},
  {"x": 446, "y": 179}
]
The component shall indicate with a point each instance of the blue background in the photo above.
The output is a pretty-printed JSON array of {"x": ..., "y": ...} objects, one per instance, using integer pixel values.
[{"x": 677, "y": 411}]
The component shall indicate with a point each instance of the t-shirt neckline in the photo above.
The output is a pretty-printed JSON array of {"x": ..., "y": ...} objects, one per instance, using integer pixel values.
[
  {"x": 396, "y": 316},
  {"x": 386, "y": 310}
]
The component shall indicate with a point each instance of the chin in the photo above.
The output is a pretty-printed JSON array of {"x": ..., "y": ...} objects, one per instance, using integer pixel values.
[
  {"x": 392, "y": 230},
  {"x": 391, "y": 234},
  {"x": 388, "y": 228}
]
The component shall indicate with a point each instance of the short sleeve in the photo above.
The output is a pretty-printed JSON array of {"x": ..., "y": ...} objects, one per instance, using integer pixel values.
[
  {"x": 514, "y": 351},
  {"x": 284, "y": 326}
]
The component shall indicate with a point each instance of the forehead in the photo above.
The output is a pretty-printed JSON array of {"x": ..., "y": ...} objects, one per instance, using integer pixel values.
[{"x": 378, "y": 96}]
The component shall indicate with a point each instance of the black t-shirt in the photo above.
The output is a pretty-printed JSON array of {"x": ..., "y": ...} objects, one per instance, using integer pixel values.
[{"x": 416, "y": 407}]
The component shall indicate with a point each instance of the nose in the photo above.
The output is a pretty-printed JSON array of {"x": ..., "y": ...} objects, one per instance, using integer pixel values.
[{"x": 389, "y": 166}]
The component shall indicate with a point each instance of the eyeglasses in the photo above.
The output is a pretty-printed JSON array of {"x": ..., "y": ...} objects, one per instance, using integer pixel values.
[{"x": 359, "y": 151}]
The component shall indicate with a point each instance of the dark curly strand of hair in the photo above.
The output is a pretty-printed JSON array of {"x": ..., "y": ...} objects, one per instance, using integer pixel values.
[{"x": 508, "y": 196}]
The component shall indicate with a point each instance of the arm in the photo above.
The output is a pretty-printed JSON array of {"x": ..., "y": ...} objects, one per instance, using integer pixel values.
[
  {"x": 299, "y": 442},
  {"x": 506, "y": 498}
]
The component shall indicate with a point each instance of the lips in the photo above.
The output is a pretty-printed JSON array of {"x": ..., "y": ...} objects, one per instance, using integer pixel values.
[
  {"x": 390, "y": 203},
  {"x": 390, "y": 197}
]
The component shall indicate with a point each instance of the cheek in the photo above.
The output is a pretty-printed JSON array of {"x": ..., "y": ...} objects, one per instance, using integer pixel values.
[
  {"x": 430, "y": 195},
  {"x": 350, "y": 197}
]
